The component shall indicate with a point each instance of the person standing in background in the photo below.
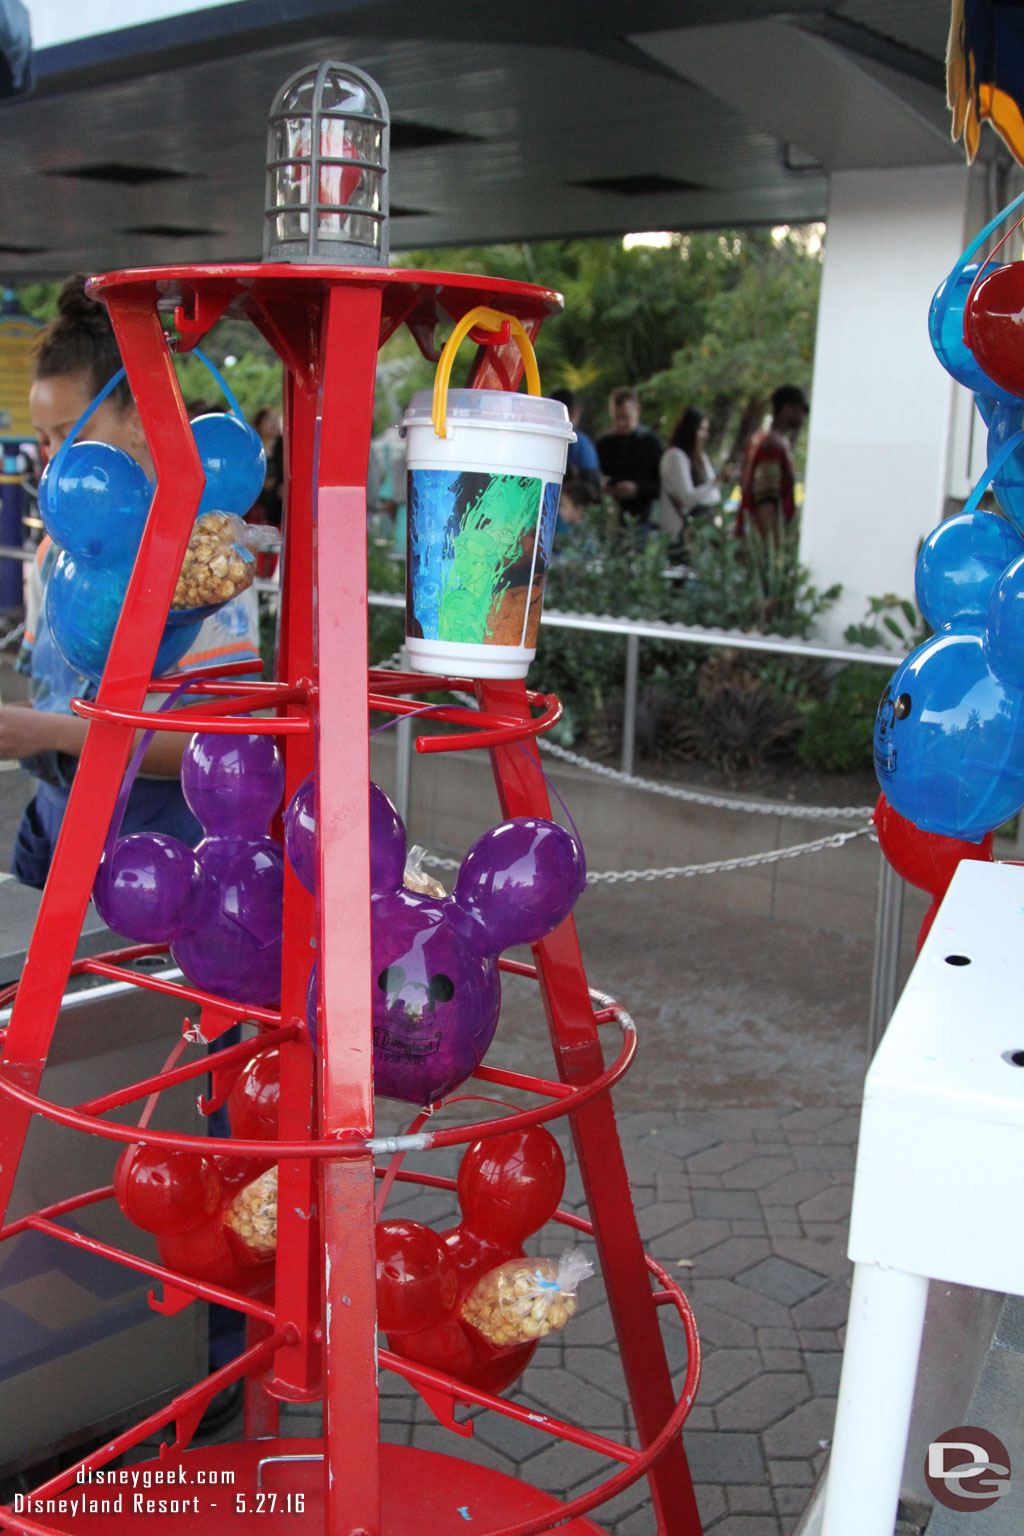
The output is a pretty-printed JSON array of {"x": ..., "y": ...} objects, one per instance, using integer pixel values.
[
  {"x": 689, "y": 485},
  {"x": 630, "y": 458},
  {"x": 269, "y": 504},
  {"x": 581, "y": 460},
  {"x": 267, "y": 423},
  {"x": 768, "y": 483}
]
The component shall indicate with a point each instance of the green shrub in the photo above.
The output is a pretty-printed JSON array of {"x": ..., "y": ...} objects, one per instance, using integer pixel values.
[
  {"x": 386, "y": 626},
  {"x": 838, "y": 729},
  {"x": 757, "y": 584},
  {"x": 880, "y": 625},
  {"x": 729, "y": 708},
  {"x": 691, "y": 702}
]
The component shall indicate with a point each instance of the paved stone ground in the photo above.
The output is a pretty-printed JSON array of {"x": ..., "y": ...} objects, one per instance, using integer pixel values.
[{"x": 749, "y": 1206}]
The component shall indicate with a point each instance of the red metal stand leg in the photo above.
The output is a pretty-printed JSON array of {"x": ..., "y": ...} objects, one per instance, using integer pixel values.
[
  {"x": 352, "y": 1491},
  {"x": 105, "y": 754},
  {"x": 523, "y": 792},
  {"x": 298, "y": 1367}
]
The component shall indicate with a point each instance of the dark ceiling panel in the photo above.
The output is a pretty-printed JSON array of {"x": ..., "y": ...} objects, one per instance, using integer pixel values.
[
  {"x": 405, "y": 135},
  {"x": 170, "y": 231},
  {"x": 117, "y": 173},
  {"x": 641, "y": 184},
  {"x": 509, "y": 122}
]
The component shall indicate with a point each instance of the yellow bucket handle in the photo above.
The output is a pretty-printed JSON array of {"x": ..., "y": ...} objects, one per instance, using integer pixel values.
[{"x": 491, "y": 320}]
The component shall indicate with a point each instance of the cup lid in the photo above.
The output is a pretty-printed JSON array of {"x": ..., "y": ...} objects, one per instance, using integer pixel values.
[{"x": 493, "y": 408}]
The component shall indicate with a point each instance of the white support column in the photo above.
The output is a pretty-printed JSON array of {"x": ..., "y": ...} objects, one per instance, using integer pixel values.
[
  {"x": 876, "y": 1393},
  {"x": 885, "y": 425}
]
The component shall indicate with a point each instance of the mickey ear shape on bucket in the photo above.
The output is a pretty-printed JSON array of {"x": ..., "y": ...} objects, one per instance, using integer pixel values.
[
  {"x": 300, "y": 832},
  {"x": 94, "y": 502},
  {"x": 518, "y": 882},
  {"x": 146, "y": 885},
  {"x": 1004, "y": 635},
  {"x": 234, "y": 462},
  {"x": 387, "y": 838},
  {"x": 992, "y": 327},
  {"x": 230, "y": 450},
  {"x": 960, "y": 562},
  {"x": 94, "y": 498},
  {"x": 946, "y": 332},
  {"x": 387, "y": 844}
]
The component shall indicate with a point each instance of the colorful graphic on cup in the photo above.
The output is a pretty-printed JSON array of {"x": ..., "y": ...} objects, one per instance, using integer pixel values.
[{"x": 479, "y": 547}]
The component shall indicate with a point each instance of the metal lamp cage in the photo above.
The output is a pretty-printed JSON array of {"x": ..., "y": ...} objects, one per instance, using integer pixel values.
[{"x": 328, "y": 143}]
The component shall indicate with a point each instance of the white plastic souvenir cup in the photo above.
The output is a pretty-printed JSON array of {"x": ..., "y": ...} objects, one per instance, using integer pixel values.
[{"x": 482, "y": 506}]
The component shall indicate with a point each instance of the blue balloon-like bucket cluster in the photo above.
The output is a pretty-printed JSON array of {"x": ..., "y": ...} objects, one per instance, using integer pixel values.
[
  {"x": 949, "y": 735},
  {"x": 94, "y": 500}
]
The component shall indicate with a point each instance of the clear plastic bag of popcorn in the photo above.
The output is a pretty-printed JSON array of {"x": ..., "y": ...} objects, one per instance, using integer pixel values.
[
  {"x": 252, "y": 1216},
  {"x": 416, "y": 877},
  {"x": 220, "y": 559},
  {"x": 524, "y": 1299}
]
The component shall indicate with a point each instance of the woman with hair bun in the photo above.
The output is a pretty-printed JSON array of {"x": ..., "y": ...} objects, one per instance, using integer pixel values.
[
  {"x": 689, "y": 485},
  {"x": 74, "y": 356}
]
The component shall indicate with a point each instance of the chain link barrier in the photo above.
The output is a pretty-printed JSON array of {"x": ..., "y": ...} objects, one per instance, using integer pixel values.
[
  {"x": 688, "y": 871},
  {"x": 693, "y": 797},
  {"x": 722, "y": 866},
  {"x": 716, "y": 802}
]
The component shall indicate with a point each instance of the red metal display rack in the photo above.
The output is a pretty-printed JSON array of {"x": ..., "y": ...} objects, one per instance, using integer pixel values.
[{"x": 316, "y": 1338}]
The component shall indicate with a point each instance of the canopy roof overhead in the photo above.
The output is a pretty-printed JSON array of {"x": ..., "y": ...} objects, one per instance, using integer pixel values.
[{"x": 144, "y": 144}]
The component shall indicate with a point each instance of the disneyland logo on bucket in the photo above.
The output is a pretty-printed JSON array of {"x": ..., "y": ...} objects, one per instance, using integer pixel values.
[{"x": 967, "y": 1469}]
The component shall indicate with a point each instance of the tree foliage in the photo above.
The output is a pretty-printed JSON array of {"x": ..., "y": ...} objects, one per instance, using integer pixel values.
[
  {"x": 757, "y": 331},
  {"x": 714, "y": 319}
]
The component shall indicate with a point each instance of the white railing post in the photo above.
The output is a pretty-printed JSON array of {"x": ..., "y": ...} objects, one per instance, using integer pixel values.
[{"x": 629, "y": 702}]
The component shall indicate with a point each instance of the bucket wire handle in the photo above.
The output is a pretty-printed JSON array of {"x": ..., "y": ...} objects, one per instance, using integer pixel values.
[
  {"x": 60, "y": 457},
  {"x": 487, "y": 319}
]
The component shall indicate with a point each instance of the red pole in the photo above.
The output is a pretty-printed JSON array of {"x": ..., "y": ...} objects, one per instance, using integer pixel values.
[
  {"x": 297, "y": 1366},
  {"x": 105, "y": 753},
  {"x": 345, "y": 413}
]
